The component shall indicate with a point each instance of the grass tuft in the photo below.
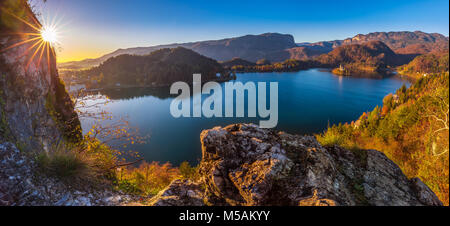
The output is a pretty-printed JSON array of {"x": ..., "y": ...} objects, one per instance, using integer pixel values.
[{"x": 67, "y": 166}]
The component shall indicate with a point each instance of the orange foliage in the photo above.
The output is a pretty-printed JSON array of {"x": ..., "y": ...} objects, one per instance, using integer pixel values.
[{"x": 148, "y": 178}]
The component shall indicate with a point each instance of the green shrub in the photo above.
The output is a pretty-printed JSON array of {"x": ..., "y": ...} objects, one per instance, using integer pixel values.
[
  {"x": 128, "y": 186},
  {"x": 330, "y": 139},
  {"x": 187, "y": 171},
  {"x": 336, "y": 135}
]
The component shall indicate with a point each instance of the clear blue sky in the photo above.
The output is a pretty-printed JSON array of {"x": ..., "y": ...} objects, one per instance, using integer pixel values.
[{"x": 95, "y": 27}]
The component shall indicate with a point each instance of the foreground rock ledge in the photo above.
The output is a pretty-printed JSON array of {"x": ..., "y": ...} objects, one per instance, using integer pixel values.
[
  {"x": 21, "y": 184},
  {"x": 245, "y": 165}
]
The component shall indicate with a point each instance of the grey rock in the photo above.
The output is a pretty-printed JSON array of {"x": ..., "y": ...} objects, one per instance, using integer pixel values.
[
  {"x": 180, "y": 193},
  {"x": 20, "y": 185},
  {"x": 245, "y": 165},
  {"x": 63, "y": 200}
]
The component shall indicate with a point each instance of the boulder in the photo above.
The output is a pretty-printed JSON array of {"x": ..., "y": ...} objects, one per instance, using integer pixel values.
[
  {"x": 180, "y": 193},
  {"x": 244, "y": 165}
]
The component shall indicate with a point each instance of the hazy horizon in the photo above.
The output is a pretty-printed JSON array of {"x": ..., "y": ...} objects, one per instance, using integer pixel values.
[{"x": 90, "y": 29}]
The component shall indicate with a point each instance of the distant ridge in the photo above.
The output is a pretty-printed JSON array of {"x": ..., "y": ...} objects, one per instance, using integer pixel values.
[
  {"x": 405, "y": 41},
  {"x": 248, "y": 47},
  {"x": 277, "y": 47},
  {"x": 401, "y": 42}
]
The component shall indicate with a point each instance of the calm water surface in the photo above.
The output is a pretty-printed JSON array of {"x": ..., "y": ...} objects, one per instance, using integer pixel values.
[{"x": 308, "y": 102}]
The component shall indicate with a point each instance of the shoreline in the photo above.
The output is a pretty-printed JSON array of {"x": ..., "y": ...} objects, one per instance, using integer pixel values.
[
  {"x": 390, "y": 73},
  {"x": 145, "y": 86}
]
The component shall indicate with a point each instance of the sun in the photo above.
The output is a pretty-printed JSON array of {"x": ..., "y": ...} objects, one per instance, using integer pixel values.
[
  {"x": 41, "y": 38},
  {"x": 49, "y": 34}
]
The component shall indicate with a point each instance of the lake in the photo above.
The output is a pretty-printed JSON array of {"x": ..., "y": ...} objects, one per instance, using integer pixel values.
[{"x": 308, "y": 102}]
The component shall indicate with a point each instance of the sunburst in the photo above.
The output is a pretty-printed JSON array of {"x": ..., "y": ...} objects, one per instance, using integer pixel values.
[
  {"x": 41, "y": 39},
  {"x": 48, "y": 34}
]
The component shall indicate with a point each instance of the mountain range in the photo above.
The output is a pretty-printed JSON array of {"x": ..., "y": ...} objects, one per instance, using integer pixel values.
[
  {"x": 367, "y": 58},
  {"x": 277, "y": 47}
]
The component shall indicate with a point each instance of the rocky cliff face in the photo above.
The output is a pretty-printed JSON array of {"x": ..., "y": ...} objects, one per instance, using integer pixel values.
[
  {"x": 35, "y": 110},
  {"x": 36, "y": 114},
  {"x": 245, "y": 165}
]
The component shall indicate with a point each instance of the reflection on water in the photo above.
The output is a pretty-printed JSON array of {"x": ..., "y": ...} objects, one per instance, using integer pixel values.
[
  {"x": 132, "y": 93},
  {"x": 308, "y": 102}
]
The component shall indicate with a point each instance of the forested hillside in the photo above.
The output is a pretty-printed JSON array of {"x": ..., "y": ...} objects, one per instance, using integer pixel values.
[
  {"x": 159, "y": 68},
  {"x": 370, "y": 57},
  {"x": 236, "y": 62},
  {"x": 425, "y": 64},
  {"x": 411, "y": 128}
]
